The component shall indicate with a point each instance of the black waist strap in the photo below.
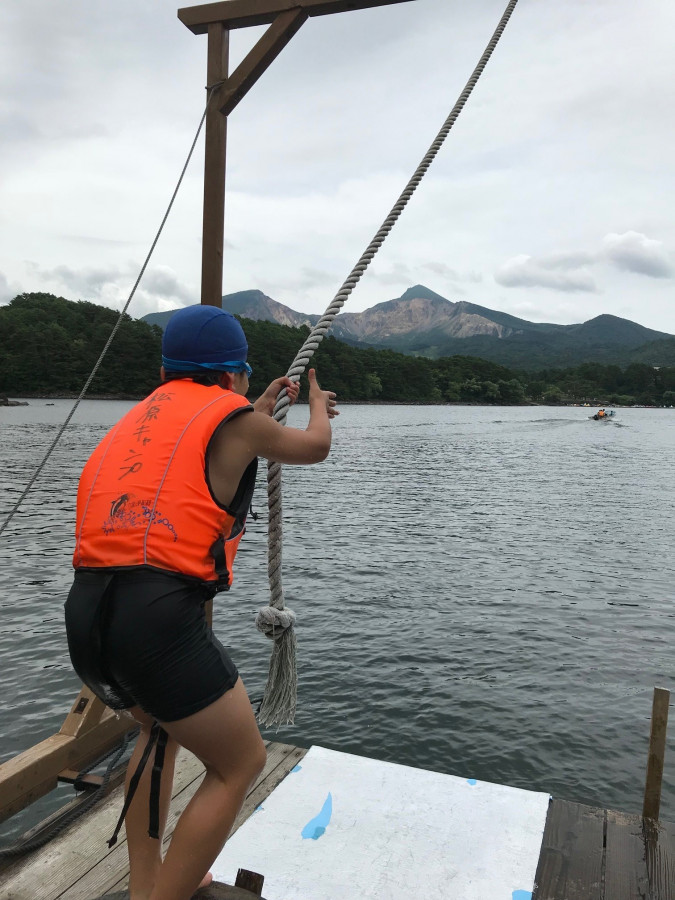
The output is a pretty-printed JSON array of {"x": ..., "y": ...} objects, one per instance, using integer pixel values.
[{"x": 160, "y": 737}]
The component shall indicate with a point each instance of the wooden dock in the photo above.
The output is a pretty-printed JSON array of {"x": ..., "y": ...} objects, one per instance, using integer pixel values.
[
  {"x": 77, "y": 865},
  {"x": 598, "y": 854},
  {"x": 586, "y": 854}
]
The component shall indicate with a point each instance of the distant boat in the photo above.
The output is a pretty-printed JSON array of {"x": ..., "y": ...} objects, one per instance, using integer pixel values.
[{"x": 603, "y": 415}]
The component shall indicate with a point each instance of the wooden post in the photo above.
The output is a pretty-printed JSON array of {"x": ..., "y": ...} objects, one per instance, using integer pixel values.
[
  {"x": 250, "y": 881},
  {"x": 657, "y": 752},
  {"x": 214, "y": 170}
]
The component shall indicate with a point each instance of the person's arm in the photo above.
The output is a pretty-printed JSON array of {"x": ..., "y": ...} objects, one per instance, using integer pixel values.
[
  {"x": 293, "y": 445},
  {"x": 267, "y": 401},
  {"x": 257, "y": 434}
]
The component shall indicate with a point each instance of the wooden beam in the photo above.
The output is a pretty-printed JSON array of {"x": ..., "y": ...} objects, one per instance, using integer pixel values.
[
  {"x": 244, "y": 13},
  {"x": 657, "y": 752},
  {"x": 34, "y": 773},
  {"x": 270, "y": 45},
  {"x": 86, "y": 713},
  {"x": 213, "y": 233}
]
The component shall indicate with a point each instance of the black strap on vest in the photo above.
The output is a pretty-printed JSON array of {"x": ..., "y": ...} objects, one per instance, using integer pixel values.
[{"x": 160, "y": 737}]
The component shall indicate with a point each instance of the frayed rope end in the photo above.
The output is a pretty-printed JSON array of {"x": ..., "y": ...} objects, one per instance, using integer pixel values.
[{"x": 281, "y": 691}]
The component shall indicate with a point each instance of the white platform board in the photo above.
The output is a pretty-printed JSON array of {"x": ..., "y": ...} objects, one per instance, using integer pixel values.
[{"x": 342, "y": 827}]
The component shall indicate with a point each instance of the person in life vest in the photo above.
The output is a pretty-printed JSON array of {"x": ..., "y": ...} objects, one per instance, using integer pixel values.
[{"x": 161, "y": 508}]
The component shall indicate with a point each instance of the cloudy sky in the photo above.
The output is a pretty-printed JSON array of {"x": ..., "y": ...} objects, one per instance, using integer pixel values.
[{"x": 551, "y": 200}]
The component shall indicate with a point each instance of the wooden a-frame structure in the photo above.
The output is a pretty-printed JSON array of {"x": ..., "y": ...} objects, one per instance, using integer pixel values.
[
  {"x": 91, "y": 729},
  {"x": 285, "y": 18}
]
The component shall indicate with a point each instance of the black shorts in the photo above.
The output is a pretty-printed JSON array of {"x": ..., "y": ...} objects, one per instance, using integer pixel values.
[{"x": 140, "y": 638}]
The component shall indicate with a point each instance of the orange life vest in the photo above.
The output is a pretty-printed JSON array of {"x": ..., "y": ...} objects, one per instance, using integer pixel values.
[{"x": 144, "y": 498}]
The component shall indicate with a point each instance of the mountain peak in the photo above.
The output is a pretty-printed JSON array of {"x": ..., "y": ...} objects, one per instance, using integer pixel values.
[{"x": 420, "y": 292}]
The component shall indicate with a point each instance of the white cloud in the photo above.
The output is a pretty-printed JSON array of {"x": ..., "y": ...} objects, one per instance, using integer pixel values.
[
  {"x": 162, "y": 282},
  {"x": 440, "y": 268},
  {"x": 634, "y": 252},
  {"x": 525, "y": 271},
  {"x": 159, "y": 289},
  {"x": 566, "y": 261},
  {"x": 570, "y": 271},
  {"x": 398, "y": 274},
  {"x": 8, "y": 290}
]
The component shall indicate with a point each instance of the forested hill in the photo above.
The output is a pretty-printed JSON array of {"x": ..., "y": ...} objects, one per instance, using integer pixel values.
[{"x": 49, "y": 345}]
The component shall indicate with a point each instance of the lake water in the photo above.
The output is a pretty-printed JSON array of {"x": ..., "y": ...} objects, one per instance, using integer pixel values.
[{"x": 481, "y": 591}]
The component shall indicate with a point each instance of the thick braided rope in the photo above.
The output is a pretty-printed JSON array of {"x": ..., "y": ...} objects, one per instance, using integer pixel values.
[{"x": 278, "y": 705}]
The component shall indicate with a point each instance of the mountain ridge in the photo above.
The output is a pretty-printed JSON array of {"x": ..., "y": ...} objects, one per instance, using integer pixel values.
[{"x": 423, "y": 323}]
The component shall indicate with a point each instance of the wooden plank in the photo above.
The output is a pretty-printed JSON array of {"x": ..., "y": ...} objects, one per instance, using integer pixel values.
[
  {"x": 87, "y": 712},
  {"x": 116, "y": 778},
  {"x": 111, "y": 872},
  {"x": 22, "y": 800},
  {"x": 261, "y": 56},
  {"x": 70, "y": 855},
  {"x": 657, "y": 753},
  {"x": 660, "y": 859},
  {"x": 33, "y": 773},
  {"x": 570, "y": 863},
  {"x": 244, "y": 13},
  {"x": 626, "y": 876}
]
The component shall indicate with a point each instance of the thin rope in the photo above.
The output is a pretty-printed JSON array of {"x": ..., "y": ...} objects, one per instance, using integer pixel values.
[
  {"x": 116, "y": 327},
  {"x": 279, "y": 702}
]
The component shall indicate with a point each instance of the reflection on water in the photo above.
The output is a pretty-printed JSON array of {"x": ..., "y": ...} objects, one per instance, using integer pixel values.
[{"x": 486, "y": 592}]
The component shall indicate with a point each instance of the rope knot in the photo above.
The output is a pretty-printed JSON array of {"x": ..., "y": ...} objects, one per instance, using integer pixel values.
[{"x": 274, "y": 622}]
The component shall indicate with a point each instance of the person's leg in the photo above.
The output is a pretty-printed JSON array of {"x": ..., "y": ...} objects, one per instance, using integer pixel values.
[
  {"x": 225, "y": 737},
  {"x": 145, "y": 853}
]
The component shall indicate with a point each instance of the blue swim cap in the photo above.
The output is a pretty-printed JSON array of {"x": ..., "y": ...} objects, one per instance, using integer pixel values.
[{"x": 203, "y": 337}]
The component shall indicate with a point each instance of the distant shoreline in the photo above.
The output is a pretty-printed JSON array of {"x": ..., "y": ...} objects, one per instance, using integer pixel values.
[{"x": 135, "y": 399}]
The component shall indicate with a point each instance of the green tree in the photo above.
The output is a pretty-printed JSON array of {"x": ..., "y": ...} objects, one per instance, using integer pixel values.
[
  {"x": 453, "y": 392},
  {"x": 553, "y": 395},
  {"x": 373, "y": 385},
  {"x": 512, "y": 391}
]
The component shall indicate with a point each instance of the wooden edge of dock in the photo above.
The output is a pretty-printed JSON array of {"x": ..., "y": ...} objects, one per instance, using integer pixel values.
[
  {"x": 78, "y": 865},
  {"x": 598, "y": 854}
]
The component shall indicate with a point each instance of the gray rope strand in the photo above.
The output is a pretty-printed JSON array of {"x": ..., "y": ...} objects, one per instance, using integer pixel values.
[
  {"x": 116, "y": 327},
  {"x": 279, "y": 700}
]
